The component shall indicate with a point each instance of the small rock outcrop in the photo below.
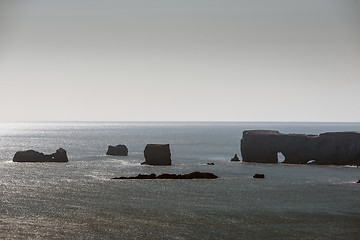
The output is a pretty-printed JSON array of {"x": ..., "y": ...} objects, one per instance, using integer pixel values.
[
  {"x": 333, "y": 148},
  {"x": 259, "y": 175},
  {"x": 235, "y": 158},
  {"x": 193, "y": 175},
  {"x": 119, "y": 150},
  {"x": 34, "y": 156},
  {"x": 157, "y": 154}
]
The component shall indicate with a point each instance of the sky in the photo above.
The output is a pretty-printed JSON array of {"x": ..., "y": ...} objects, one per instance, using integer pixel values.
[{"x": 188, "y": 60}]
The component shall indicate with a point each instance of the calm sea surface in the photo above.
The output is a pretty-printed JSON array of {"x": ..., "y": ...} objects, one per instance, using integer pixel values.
[{"x": 78, "y": 199}]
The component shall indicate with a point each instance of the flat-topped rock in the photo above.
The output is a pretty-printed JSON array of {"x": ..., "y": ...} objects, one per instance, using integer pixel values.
[
  {"x": 157, "y": 154},
  {"x": 332, "y": 148},
  {"x": 118, "y": 150},
  {"x": 34, "y": 156},
  {"x": 193, "y": 175}
]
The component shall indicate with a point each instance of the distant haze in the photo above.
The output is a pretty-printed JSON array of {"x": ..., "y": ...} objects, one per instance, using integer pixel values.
[{"x": 180, "y": 60}]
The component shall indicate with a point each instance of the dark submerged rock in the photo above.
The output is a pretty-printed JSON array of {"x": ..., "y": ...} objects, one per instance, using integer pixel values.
[
  {"x": 258, "y": 175},
  {"x": 210, "y": 163},
  {"x": 119, "y": 150},
  {"x": 358, "y": 181},
  {"x": 235, "y": 158},
  {"x": 34, "y": 156},
  {"x": 193, "y": 175},
  {"x": 335, "y": 148},
  {"x": 157, "y": 154}
]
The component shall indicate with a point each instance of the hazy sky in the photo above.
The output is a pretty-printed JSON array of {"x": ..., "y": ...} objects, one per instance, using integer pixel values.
[{"x": 202, "y": 60}]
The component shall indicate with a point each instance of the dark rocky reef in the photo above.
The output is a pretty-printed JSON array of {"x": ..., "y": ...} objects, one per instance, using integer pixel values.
[
  {"x": 34, "y": 156},
  {"x": 193, "y": 175},
  {"x": 157, "y": 154},
  {"x": 119, "y": 150},
  {"x": 333, "y": 148},
  {"x": 259, "y": 175},
  {"x": 235, "y": 158}
]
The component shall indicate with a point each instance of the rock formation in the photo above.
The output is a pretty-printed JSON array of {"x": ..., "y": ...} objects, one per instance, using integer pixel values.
[
  {"x": 157, "y": 154},
  {"x": 259, "y": 175},
  {"x": 34, "y": 156},
  {"x": 119, "y": 150},
  {"x": 333, "y": 148},
  {"x": 193, "y": 175},
  {"x": 235, "y": 158}
]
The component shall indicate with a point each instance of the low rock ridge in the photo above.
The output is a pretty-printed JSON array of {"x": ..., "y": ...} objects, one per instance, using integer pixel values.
[
  {"x": 193, "y": 175},
  {"x": 34, "y": 156},
  {"x": 331, "y": 148},
  {"x": 118, "y": 150}
]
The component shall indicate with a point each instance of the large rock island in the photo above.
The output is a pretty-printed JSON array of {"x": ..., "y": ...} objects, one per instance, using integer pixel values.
[
  {"x": 34, "y": 156},
  {"x": 332, "y": 148},
  {"x": 157, "y": 154}
]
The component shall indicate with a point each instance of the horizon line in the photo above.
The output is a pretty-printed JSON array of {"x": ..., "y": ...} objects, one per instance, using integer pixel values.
[{"x": 171, "y": 121}]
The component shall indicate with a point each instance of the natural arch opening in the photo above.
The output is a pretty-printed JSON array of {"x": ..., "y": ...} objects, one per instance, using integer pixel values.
[{"x": 280, "y": 157}]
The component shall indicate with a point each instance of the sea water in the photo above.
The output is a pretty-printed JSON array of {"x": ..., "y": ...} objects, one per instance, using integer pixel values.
[{"x": 79, "y": 200}]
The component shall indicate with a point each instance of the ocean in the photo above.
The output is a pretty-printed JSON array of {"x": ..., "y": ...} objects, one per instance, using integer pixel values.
[{"x": 79, "y": 200}]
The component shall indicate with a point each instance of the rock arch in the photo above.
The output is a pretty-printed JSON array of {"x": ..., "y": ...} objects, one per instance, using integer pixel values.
[{"x": 337, "y": 148}]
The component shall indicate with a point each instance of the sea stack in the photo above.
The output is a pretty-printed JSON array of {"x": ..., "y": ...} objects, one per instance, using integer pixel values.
[
  {"x": 157, "y": 154},
  {"x": 119, "y": 150},
  {"x": 235, "y": 158},
  {"x": 34, "y": 156}
]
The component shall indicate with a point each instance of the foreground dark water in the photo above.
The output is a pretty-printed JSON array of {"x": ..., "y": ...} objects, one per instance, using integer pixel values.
[{"x": 78, "y": 200}]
